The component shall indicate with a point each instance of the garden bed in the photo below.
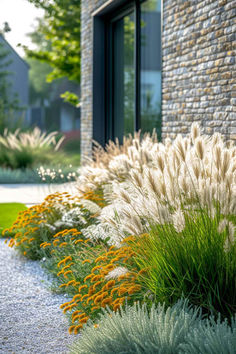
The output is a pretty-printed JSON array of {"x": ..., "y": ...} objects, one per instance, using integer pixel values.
[{"x": 150, "y": 235}]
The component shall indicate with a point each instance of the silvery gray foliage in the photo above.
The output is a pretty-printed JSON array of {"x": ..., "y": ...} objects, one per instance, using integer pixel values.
[
  {"x": 176, "y": 330},
  {"x": 212, "y": 337}
]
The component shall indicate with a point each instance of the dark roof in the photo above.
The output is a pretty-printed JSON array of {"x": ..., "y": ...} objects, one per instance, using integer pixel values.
[{"x": 12, "y": 49}]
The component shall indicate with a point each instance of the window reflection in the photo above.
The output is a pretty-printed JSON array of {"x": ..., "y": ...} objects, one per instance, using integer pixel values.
[
  {"x": 129, "y": 74},
  {"x": 124, "y": 75},
  {"x": 151, "y": 66}
]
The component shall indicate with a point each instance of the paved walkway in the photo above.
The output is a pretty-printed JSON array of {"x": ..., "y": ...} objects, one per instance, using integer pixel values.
[
  {"x": 30, "y": 318},
  {"x": 30, "y": 194}
]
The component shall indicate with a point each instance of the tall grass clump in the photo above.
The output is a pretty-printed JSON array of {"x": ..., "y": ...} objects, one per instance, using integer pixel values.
[
  {"x": 177, "y": 329},
  {"x": 22, "y": 149},
  {"x": 183, "y": 195},
  {"x": 114, "y": 162},
  {"x": 197, "y": 262}
]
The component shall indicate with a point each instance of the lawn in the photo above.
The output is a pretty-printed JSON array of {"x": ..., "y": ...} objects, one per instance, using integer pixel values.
[{"x": 8, "y": 213}]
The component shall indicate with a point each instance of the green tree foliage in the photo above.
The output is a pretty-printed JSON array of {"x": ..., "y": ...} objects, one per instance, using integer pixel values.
[
  {"x": 61, "y": 28},
  {"x": 39, "y": 87},
  {"x": 9, "y": 102}
]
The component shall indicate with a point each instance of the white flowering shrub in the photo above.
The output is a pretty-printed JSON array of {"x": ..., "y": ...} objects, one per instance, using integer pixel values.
[{"x": 178, "y": 329}]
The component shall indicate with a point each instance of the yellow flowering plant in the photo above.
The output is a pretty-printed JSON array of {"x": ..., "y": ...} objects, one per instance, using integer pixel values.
[
  {"x": 34, "y": 228},
  {"x": 110, "y": 278},
  {"x": 68, "y": 256}
]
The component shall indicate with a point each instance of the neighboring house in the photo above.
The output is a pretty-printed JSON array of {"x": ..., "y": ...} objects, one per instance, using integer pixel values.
[
  {"x": 57, "y": 114},
  {"x": 153, "y": 64},
  {"x": 18, "y": 77}
]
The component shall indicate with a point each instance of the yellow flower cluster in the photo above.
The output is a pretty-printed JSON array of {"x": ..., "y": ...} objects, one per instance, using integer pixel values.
[
  {"x": 95, "y": 197},
  {"x": 98, "y": 290},
  {"x": 95, "y": 289},
  {"x": 28, "y": 225}
]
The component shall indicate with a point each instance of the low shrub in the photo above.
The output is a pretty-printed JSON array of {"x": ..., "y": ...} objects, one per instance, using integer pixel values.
[
  {"x": 38, "y": 224},
  {"x": 177, "y": 329},
  {"x": 107, "y": 277},
  {"x": 65, "y": 258},
  {"x": 9, "y": 176}
]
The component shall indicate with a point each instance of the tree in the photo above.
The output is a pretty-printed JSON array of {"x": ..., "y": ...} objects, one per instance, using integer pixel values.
[
  {"x": 9, "y": 102},
  {"x": 39, "y": 87},
  {"x": 61, "y": 28}
]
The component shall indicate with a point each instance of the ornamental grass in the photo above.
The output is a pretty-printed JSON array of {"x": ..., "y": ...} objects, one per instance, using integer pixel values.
[
  {"x": 151, "y": 222},
  {"x": 23, "y": 149},
  {"x": 197, "y": 261}
]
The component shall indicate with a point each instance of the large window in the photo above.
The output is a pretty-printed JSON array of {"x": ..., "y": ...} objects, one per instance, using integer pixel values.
[
  {"x": 150, "y": 75},
  {"x": 131, "y": 67},
  {"x": 123, "y": 80}
]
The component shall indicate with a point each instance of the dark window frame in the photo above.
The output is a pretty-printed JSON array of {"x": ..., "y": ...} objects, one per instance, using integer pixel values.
[{"x": 103, "y": 67}]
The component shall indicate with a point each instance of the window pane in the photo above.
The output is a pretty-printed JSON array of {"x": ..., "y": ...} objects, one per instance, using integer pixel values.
[
  {"x": 151, "y": 66},
  {"x": 123, "y": 75}
]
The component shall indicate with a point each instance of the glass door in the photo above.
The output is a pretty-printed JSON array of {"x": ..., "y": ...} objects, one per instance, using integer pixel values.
[
  {"x": 133, "y": 69},
  {"x": 150, "y": 75},
  {"x": 123, "y": 75}
]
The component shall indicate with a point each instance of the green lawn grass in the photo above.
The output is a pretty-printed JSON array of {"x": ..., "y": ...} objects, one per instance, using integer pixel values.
[{"x": 8, "y": 214}]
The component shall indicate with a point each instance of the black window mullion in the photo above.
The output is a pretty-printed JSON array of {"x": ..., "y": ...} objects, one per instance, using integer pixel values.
[{"x": 137, "y": 64}]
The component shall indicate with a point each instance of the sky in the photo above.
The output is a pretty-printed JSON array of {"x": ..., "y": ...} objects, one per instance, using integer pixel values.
[{"x": 20, "y": 14}]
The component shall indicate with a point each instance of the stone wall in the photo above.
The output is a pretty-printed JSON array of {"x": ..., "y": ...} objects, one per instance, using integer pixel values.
[
  {"x": 88, "y": 7},
  {"x": 199, "y": 76},
  {"x": 199, "y": 70}
]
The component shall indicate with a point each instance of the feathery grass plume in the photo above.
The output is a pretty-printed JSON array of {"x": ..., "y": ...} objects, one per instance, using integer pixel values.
[
  {"x": 35, "y": 139},
  {"x": 195, "y": 131},
  {"x": 24, "y": 149},
  {"x": 116, "y": 161},
  {"x": 177, "y": 329},
  {"x": 199, "y": 147},
  {"x": 178, "y": 220},
  {"x": 116, "y": 273},
  {"x": 179, "y": 174}
]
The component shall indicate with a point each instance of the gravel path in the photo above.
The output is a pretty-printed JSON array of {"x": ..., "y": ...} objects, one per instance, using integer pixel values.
[{"x": 30, "y": 318}]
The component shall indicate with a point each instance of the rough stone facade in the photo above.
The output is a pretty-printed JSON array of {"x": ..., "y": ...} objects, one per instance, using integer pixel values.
[
  {"x": 199, "y": 76},
  {"x": 199, "y": 70},
  {"x": 88, "y": 7}
]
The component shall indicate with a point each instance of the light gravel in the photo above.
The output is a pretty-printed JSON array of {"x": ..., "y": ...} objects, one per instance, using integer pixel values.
[{"x": 30, "y": 318}]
